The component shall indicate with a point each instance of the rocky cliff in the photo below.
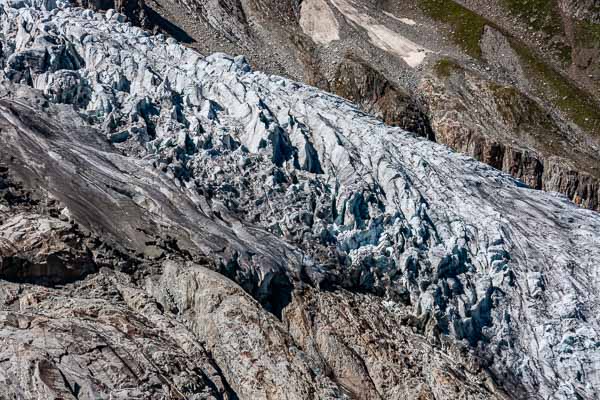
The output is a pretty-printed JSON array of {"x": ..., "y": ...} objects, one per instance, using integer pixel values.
[{"x": 178, "y": 226}]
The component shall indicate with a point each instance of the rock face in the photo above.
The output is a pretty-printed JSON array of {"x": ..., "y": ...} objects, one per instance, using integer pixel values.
[
  {"x": 582, "y": 9},
  {"x": 371, "y": 350},
  {"x": 513, "y": 133},
  {"x": 37, "y": 248},
  {"x": 357, "y": 81},
  {"x": 184, "y": 227}
]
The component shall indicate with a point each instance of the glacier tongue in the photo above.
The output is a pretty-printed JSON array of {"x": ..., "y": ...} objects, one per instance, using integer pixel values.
[{"x": 471, "y": 253}]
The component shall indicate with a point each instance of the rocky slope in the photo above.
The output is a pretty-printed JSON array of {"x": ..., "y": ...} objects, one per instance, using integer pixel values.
[
  {"x": 179, "y": 226},
  {"x": 546, "y": 52}
]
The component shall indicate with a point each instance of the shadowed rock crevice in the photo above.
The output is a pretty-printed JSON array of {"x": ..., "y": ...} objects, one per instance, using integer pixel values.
[
  {"x": 158, "y": 22},
  {"x": 135, "y": 10},
  {"x": 359, "y": 82}
]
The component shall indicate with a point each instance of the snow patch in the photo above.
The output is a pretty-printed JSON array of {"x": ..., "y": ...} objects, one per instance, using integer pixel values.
[
  {"x": 406, "y": 21},
  {"x": 382, "y": 36}
]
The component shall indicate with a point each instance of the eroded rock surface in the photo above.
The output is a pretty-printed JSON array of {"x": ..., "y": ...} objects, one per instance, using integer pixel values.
[
  {"x": 357, "y": 81},
  {"x": 252, "y": 237},
  {"x": 509, "y": 130}
]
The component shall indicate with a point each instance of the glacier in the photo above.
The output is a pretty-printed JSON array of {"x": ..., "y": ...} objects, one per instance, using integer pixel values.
[{"x": 289, "y": 188}]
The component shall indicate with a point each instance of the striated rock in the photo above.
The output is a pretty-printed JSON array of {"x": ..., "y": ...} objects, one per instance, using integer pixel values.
[
  {"x": 258, "y": 357},
  {"x": 83, "y": 342},
  {"x": 371, "y": 349},
  {"x": 226, "y": 16},
  {"x": 265, "y": 239}
]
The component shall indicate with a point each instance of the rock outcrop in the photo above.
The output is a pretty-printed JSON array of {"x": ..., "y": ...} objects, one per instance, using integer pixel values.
[
  {"x": 225, "y": 233},
  {"x": 511, "y": 131},
  {"x": 357, "y": 81}
]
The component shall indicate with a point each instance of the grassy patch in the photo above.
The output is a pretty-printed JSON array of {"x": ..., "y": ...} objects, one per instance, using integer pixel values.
[
  {"x": 542, "y": 15},
  {"x": 528, "y": 119},
  {"x": 467, "y": 27},
  {"x": 564, "y": 53},
  {"x": 587, "y": 34},
  {"x": 445, "y": 67},
  {"x": 522, "y": 111},
  {"x": 574, "y": 102}
]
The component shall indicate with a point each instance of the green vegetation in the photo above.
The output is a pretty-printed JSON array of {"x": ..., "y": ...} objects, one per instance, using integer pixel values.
[
  {"x": 520, "y": 110},
  {"x": 527, "y": 117},
  {"x": 445, "y": 67},
  {"x": 587, "y": 34},
  {"x": 574, "y": 102},
  {"x": 467, "y": 27},
  {"x": 510, "y": 104},
  {"x": 542, "y": 15},
  {"x": 564, "y": 53}
]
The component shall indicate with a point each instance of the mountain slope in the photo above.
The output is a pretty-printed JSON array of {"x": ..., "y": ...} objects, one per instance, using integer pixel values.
[{"x": 213, "y": 232}]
